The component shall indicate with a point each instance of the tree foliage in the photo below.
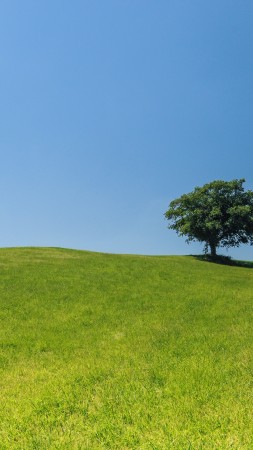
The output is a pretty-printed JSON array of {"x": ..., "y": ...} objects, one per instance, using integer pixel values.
[{"x": 219, "y": 214}]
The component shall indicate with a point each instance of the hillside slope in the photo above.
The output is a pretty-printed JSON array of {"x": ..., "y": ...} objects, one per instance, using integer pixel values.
[{"x": 102, "y": 351}]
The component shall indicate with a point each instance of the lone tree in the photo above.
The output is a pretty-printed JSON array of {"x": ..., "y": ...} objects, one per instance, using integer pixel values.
[{"x": 219, "y": 214}]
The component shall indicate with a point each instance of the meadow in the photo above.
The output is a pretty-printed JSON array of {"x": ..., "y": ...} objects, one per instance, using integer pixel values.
[{"x": 101, "y": 351}]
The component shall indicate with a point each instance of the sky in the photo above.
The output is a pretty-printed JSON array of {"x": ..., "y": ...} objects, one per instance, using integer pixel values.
[{"x": 111, "y": 109}]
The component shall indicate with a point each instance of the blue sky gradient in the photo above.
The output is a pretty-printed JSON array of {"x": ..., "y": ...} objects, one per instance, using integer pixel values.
[{"x": 111, "y": 109}]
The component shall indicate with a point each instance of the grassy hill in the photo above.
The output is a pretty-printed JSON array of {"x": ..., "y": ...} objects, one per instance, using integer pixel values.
[{"x": 102, "y": 351}]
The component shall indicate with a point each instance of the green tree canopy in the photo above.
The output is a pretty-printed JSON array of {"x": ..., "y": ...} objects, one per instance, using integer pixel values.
[{"x": 219, "y": 214}]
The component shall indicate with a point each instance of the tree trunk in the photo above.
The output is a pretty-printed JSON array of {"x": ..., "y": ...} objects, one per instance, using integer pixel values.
[{"x": 213, "y": 249}]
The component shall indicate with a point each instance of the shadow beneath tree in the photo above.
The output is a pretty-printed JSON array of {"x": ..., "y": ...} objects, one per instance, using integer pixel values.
[{"x": 225, "y": 260}]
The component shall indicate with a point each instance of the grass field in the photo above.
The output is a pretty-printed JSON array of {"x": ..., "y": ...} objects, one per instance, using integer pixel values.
[{"x": 103, "y": 351}]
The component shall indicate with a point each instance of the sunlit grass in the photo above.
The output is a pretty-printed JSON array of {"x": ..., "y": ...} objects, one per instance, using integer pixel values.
[{"x": 124, "y": 352}]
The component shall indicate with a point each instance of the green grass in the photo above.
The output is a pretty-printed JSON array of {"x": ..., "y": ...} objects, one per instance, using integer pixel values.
[{"x": 103, "y": 351}]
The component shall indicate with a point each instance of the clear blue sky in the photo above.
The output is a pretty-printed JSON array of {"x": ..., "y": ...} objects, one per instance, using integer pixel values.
[{"x": 111, "y": 109}]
